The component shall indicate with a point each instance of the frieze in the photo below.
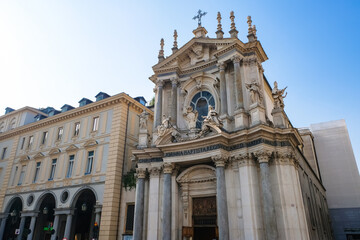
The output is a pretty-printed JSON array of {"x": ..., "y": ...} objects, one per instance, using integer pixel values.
[
  {"x": 227, "y": 148},
  {"x": 150, "y": 160}
]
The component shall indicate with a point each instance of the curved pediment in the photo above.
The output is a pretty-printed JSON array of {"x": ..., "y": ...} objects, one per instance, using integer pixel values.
[
  {"x": 54, "y": 151},
  {"x": 72, "y": 147},
  {"x": 196, "y": 174},
  {"x": 90, "y": 143},
  {"x": 24, "y": 158}
]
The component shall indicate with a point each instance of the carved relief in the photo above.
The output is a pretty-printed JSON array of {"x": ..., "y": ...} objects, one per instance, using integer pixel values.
[{"x": 190, "y": 117}]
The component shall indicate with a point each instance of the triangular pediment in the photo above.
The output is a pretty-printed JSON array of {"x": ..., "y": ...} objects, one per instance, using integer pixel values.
[
  {"x": 54, "y": 151},
  {"x": 72, "y": 147},
  {"x": 39, "y": 155},
  {"x": 204, "y": 52},
  {"x": 24, "y": 158},
  {"x": 90, "y": 143}
]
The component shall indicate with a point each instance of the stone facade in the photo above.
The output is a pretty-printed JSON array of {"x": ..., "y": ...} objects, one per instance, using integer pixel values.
[
  {"x": 221, "y": 140},
  {"x": 65, "y": 171}
]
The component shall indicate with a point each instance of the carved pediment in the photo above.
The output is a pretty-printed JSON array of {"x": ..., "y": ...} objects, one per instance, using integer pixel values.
[
  {"x": 72, "y": 147},
  {"x": 197, "y": 174},
  {"x": 39, "y": 155},
  {"x": 24, "y": 158},
  {"x": 90, "y": 143},
  {"x": 54, "y": 151}
]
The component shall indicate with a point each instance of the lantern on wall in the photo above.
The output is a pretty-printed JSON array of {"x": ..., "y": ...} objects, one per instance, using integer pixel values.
[
  {"x": 83, "y": 207},
  {"x": 45, "y": 210}
]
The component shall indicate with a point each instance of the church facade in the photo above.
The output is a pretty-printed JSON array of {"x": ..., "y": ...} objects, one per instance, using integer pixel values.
[{"x": 223, "y": 160}]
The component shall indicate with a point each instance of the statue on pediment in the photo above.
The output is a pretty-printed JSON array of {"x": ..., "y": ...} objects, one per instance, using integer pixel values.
[
  {"x": 278, "y": 96},
  {"x": 212, "y": 117},
  {"x": 255, "y": 92},
  {"x": 191, "y": 116},
  {"x": 165, "y": 124}
]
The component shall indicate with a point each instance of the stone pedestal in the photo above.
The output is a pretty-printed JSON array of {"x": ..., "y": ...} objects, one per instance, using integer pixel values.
[
  {"x": 143, "y": 138},
  {"x": 257, "y": 114},
  {"x": 279, "y": 118},
  {"x": 241, "y": 119},
  {"x": 227, "y": 122},
  {"x": 200, "y": 32}
]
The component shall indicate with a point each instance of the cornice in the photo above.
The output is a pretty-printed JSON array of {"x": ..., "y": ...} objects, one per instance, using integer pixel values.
[{"x": 116, "y": 99}]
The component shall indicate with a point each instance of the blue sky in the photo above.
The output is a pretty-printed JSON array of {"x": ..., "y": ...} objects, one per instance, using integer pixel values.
[{"x": 56, "y": 52}]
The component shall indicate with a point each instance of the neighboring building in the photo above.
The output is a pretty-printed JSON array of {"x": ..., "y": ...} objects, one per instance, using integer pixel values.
[
  {"x": 339, "y": 174},
  {"x": 63, "y": 171},
  {"x": 224, "y": 162}
]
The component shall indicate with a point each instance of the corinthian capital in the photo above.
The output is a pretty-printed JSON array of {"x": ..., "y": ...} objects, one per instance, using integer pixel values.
[
  {"x": 263, "y": 156},
  {"x": 221, "y": 66},
  {"x": 141, "y": 172},
  {"x": 154, "y": 171},
  {"x": 168, "y": 167},
  {"x": 220, "y": 160},
  {"x": 174, "y": 81},
  {"x": 236, "y": 59},
  {"x": 159, "y": 83}
]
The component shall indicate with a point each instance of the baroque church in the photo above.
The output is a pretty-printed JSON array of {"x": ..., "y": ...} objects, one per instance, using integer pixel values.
[{"x": 223, "y": 160}]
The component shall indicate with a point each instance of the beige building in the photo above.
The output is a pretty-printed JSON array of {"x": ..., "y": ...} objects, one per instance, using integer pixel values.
[
  {"x": 224, "y": 161},
  {"x": 62, "y": 171}
]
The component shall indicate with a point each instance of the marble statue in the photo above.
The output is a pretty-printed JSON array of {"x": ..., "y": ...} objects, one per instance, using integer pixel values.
[
  {"x": 212, "y": 118},
  {"x": 278, "y": 96},
  {"x": 255, "y": 92},
  {"x": 165, "y": 124},
  {"x": 190, "y": 117},
  {"x": 143, "y": 120}
]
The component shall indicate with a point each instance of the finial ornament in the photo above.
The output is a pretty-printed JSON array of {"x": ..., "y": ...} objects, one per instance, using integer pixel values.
[
  {"x": 232, "y": 17},
  {"x": 199, "y": 16},
  {"x": 251, "y": 30},
  {"x": 161, "y": 52},
  {"x": 175, "y": 48},
  {"x": 219, "y": 27}
]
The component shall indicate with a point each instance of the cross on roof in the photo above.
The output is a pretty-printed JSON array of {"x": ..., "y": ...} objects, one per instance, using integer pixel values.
[{"x": 199, "y": 16}]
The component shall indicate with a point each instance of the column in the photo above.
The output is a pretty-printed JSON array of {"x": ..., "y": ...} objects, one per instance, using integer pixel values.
[
  {"x": 174, "y": 83},
  {"x": 158, "y": 107},
  {"x": 21, "y": 227},
  {"x": 32, "y": 227},
  {"x": 139, "y": 204},
  {"x": 153, "y": 220},
  {"x": 222, "y": 210},
  {"x": 166, "y": 216},
  {"x": 223, "y": 108},
  {"x": 55, "y": 226},
  {"x": 3, "y": 224},
  {"x": 98, "y": 209},
  {"x": 237, "y": 81},
  {"x": 68, "y": 225},
  {"x": 268, "y": 202}
]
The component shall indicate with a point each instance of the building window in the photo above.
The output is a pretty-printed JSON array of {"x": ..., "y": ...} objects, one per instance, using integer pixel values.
[
  {"x": 77, "y": 129},
  {"x": 22, "y": 143},
  {"x": 31, "y": 140},
  {"x": 3, "y": 155},
  {"x": 22, "y": 173},
  {"x": 200, "y": 102},
  {"x": 129, "y": 224},
  {"x": 95, "y": 124},
  {"x": 89, "y": 163},
  {"x": 37, "y": 170},
  {"x": 70, "y": 167},
  {"x": 60, "y": 133},
  {"x": 52, "y": 171},
  {"x": 44, "y": 137},
  {"x": 15, "y": 173}
]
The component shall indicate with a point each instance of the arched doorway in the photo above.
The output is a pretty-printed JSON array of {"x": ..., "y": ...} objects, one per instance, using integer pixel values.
[
  {"x": 84, "y": 215},
  {"x": 45, "y": 220},
  {"x": 13, "y": 220}
]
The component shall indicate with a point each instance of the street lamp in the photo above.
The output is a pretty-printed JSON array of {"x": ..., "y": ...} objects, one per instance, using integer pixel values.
[
  {"x": 45, "y": 210},
  {"x": 83, "y": 207}
]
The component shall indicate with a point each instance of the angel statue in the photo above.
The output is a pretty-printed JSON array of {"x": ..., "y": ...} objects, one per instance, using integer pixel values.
[
  {"x": 278, "y": 96},
  {"x": 212, "y": 117}
]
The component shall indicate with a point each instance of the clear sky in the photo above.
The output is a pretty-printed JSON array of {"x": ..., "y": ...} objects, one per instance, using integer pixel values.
[{"x": 56, "y": 52}]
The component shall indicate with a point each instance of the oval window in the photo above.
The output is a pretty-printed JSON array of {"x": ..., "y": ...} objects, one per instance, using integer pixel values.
[{"x": 200, "y": 102}]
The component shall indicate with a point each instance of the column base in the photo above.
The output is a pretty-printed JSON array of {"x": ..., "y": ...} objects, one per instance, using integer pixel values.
[
  {"x": 241, "y": 119},
  {"x": 257, "y": 114},
  {"x": 279, "y": 118}
]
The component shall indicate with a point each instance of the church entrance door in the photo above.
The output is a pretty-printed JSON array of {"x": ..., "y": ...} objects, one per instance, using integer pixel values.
[{"x": 204, "y": 218}]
